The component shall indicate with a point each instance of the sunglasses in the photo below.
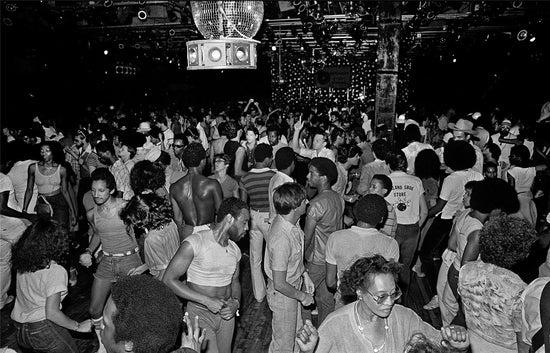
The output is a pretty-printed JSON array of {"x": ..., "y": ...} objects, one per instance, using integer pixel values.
[{"x": 380, "y": 299}]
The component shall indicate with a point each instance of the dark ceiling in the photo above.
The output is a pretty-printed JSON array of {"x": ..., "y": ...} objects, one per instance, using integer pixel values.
[{"x": 336, "y": 26}]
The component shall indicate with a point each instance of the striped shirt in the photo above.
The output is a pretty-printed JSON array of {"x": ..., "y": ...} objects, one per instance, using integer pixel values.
[{"x": 256, "y": 185}]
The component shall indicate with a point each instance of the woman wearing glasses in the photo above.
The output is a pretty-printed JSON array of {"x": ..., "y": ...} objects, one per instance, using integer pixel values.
[{"x": 374, "y": 323}]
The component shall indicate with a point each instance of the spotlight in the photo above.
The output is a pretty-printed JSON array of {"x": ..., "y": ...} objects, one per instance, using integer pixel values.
[
  {"x": 454, "y": 60},
  {"x": 274, "y": 47},
  {"x": 241, "y": 53},
  {"x": 533, "y": 38},
  {"x": 108, "y": 3},
  {"x": 106, "y": 52},
  {"x": 214, "y": 54},
  {"x": 120, "y": 46},
  {"x": 142, "y": 15},
  {"x": 522, "y": 35}
]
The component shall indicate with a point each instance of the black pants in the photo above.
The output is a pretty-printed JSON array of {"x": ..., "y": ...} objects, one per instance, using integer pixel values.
[{"x": 433, "y": 246}]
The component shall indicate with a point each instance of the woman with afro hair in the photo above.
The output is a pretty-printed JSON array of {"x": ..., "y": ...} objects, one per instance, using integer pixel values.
[
  {"x": 490, "y": 291},
  {"x": 460, "y": 157}
]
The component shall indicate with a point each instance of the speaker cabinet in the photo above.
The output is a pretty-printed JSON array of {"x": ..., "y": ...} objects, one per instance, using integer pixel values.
[{"x": 221, "y": 54}]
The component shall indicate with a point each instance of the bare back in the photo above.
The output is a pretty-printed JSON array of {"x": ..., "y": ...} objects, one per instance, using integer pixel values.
[{"x": 195, "y": 199}]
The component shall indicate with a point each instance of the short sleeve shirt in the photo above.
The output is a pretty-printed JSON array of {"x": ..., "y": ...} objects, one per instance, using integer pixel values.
[
  {"x": 11, "y": 228},
  {"x": 405, "y": 197},
  {"x": 160, "y": 246},
  {"x": 327, "y": 209},
  {"x": 33, "y": 288},
  {"x": 325, "y": 152},
  {"x": 346, "y": 246},
  {"x": 285, "y": 251},
  {"x": 491, "y": 298},
  {"x": 453, "y": 190}
]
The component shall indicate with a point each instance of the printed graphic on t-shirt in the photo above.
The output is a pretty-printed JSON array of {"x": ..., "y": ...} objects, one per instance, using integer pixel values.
[{"x": 401, "y": 197}]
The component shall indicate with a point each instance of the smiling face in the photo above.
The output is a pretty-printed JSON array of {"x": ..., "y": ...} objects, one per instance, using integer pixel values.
[{"x": 46, "y": 153}]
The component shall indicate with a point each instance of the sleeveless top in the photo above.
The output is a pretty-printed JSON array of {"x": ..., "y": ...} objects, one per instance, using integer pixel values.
[
  {"x": 112, "y": 231},
  {"x": 47, "y": 184},
  {"x": 212, "y": 265},
  {"x": 230, "y": 149}
]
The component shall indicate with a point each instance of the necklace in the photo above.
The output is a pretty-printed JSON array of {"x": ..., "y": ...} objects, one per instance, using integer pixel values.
[{"x": 361, "y": 329}]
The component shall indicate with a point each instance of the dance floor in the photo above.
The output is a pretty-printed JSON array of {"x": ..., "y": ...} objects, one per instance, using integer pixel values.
[{"x": 253, "y": 329}]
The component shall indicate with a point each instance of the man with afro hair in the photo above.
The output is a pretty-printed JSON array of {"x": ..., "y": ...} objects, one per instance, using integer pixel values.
[
  {"x": 345, "y": 246},
  {"x": 195, "y": 198}
]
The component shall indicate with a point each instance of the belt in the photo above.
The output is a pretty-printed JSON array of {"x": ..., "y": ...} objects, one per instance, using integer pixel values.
[{"x": 126, "y": 253}]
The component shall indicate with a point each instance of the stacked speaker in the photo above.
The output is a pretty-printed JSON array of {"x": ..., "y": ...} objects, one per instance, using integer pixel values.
[{"x": 227, "y": 53}]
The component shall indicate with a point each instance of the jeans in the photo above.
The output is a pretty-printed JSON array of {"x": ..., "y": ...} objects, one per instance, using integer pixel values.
[
  {"x": 5, "y": 270},
  {"x": 286, "y": 320},
  {"x": 44, "y": 336},
  {"x": 219, "y": 332},
  {"x": 433, "y": 246},
  {"x": 259, "y": 227},
  {"x": 447, "y": 300},
  {"x": 407, "y": 236},
  {"x": 323, "y": 298}
]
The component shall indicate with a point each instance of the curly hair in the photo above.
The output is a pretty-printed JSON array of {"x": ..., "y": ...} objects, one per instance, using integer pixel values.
[
  {"x": 371, "y": 209},
  {"x": 381, "y": 148},
  {"x": 418, "y": 343},
  {"x": 346, "y": 151},
  {"x": 427, "y": 164},
  {"x": 325, "y": 167},
  {"x": 231, "y": 129},
  {"x": 42, "y": 242},
  {"x": 147, "y": 176},
  {"x": 193, "y": 155},
  {"x": 506, "y": 240},
  {"x": 459, "y": 155},
  {"x": 361, "y": 272},
  {"x": 147, "y": 314},
  {"x": 147, "y": 211},
  {"x": 396, "y": 160},
  {"x": 519, "y": 156},
  {"x": 232, "y": 206},
  {"x": 58, "y": 156},
  {"x": 385, "y": 181}
]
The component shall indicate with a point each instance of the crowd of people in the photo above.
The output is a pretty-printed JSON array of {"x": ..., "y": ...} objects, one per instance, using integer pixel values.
[{"x": 339, "y": 216}]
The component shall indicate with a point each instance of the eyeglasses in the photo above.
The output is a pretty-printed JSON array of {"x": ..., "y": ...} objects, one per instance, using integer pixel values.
[
  {"x": 178, "y": 146},
  {"x": 379, "y": 299}
]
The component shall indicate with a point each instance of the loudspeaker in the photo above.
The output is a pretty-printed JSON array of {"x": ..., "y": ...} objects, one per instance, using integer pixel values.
[{"x": 221, "y": 54}]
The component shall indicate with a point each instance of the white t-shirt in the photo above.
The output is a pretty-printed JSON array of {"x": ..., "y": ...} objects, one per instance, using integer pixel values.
[
  {"x": 346, "y": 246},
  {"x": 11, "y": 228},
  {"x": 464, "y": 226},
  {"x": 411, "y": 151},
  {"x": 19, "y": 175},
  {"x": 325, "y": 152},
  {"x": 405, "y": 197},
  {"x": 452, "y": 191},
  {"x": 278, "y": 179},
  {"x": 168, "y": 138},
  {"x": 32, "y": 290}
]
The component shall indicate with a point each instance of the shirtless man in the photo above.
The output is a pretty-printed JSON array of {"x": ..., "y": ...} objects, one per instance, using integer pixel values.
[
  {"x": 210, "y": 258},
  {"x": 195, "y": 198}
]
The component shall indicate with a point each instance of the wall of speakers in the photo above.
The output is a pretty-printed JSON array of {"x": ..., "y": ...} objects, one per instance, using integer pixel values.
[{"x": 221, "y": 54}]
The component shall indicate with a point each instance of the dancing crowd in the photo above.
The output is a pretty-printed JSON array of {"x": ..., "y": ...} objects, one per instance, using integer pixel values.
[{"x": 336, "y": 215}]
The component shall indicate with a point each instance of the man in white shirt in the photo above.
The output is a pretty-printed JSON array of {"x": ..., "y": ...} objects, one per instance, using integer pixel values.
[
  {"x": 168, "y": 134},
  {"x": 319, "y": 146},
  {"x": 274, "y": 139}
]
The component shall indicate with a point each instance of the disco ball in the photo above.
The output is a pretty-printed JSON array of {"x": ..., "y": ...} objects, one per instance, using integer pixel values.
[{"x": 228, "y": 19}]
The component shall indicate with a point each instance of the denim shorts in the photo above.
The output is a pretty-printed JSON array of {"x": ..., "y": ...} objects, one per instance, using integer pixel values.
[
  {"x": 112, "y": 268},
  {"x": 45, "y": 336}
]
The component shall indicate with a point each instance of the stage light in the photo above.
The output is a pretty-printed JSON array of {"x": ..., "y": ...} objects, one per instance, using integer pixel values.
[
  {"x": 106, "y": 52},
  {"x": 533, "y": 38},
  {"x": 214, "y": 54},
  {"x": 241, "y": 53},
  {"x": 454, "y": 60},
  {"x": 522, "y": 35},
  {"x": 142, "y": 15},
  {"x": 274, "y": 47}
]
